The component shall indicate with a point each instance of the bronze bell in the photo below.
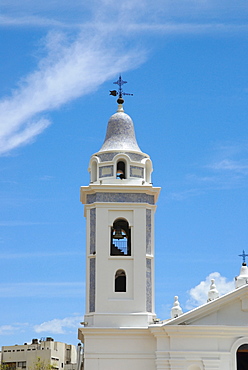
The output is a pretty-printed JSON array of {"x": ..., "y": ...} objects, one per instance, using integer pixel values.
[{"x": 118, "y": 234}]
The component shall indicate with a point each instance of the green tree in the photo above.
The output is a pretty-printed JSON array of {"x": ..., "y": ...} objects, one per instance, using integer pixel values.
[
  {"x": 40, "y": 364},
  {"x": 4, "y": 367}
]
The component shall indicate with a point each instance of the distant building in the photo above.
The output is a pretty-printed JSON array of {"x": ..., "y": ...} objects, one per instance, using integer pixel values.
[{"x": 60, "y": 356}]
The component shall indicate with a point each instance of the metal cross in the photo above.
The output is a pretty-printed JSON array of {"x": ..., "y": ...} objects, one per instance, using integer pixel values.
[
  {"x": 119, "y": 82},
  {"x": 243, "y": 255}
]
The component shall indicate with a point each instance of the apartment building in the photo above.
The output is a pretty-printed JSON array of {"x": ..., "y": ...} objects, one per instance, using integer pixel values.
[{"x": 58, "y": 355}]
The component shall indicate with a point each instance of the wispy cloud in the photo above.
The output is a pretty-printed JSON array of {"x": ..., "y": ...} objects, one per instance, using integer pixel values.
[
  {"x": 32, "y": 21},
  {"x": 199, "y": 294},
  {"x": 73, "y": 67},
  {"x": 59, "y": 326},
  {"x": 227, "y": 168},
  {"x": 70, "y": 69},
  {"x": 14, "y": 223},
  {"x": 228, "y": 165},
  {"x": 42, "y": 289},
  {"x": 183, "y": 28},
  {"x": 37, "y": 255},
  {"x": 12, "y": 328}
]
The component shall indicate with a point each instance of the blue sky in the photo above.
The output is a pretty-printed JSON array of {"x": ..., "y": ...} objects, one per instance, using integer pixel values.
[{"x": 186, "y": 64}]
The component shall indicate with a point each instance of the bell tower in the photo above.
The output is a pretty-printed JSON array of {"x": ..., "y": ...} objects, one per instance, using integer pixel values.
[{"x": 119, "y": 205}]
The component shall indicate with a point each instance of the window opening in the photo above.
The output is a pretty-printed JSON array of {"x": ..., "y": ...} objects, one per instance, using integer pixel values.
[
  {"x": 242, "y": 357},
  {"x": 120, "y": 281},
  {"x": 93, "y": 172},
  {"x": 120, "y": 239},
  {"x": 120, "y": 173}
]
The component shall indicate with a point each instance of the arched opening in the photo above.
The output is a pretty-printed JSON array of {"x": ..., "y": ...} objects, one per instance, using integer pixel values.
[
  {"x": 120, "y": 281},
  {"x": 121, "y": 170},
  {"x": 93, "y": 172},
  {"x": 148, "y": 171},
  {"x": 120, "y": 238},
  {"x": 242, "y": 357}
]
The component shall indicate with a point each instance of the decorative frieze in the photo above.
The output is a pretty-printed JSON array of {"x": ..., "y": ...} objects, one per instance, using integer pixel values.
[
  {"x": 136, "y": 171},
  {"x": 148, "y": 230},
  {"x": 92, "y": 230},
  {"x": 120, "y": 198},
  {"x": 92, "y": 285},
  {"x": 106, "y": 171},
  {"x": 148, "y": 285},
  {"x": 105, "y": 157}
]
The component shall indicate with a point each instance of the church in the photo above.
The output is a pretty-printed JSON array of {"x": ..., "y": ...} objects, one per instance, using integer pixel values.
[{"x": 120, "y": 328}]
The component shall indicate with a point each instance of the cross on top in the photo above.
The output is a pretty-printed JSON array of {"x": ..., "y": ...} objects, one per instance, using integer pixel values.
[
  {"x": 120, "y": 82},
  {"x": 243, "y": 255},
  {"x": 120, "y": 92}
]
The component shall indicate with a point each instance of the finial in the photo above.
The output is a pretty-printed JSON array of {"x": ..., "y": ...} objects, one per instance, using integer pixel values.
[
  {"x": 243, "y": 255},
  {"x": 213, "y": 292},
  {"x": 176, "y": 309},
  {"x": 120, "y": 92}
]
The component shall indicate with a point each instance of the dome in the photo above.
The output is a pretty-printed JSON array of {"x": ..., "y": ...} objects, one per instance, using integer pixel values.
[{"x": 120, "y": 134}]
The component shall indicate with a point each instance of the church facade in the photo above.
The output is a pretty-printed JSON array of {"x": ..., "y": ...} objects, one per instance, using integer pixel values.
[{"x": 120, "y": 328}]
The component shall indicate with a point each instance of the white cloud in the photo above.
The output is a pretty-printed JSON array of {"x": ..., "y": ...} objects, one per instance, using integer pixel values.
[
  {"x": 227, "y": 168},
  {"x": 59, "y": 326},
  {"x": 11, "y": 329},
  {"x": 199, "y": 294},
  {"x": 6, "y": 329},
  {"x": 74, "y": 68},
  {"x": 38, "y": 254},
  {"x": 30, "y": 21},
  {"x": 69, "y": 70},
  {"x": 231, "y": 165}
]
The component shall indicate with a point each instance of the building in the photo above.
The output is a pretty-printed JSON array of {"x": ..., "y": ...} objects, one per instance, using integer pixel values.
[
  {"x": 56, "y": 354},
  {"x": 120, "y": 328}
]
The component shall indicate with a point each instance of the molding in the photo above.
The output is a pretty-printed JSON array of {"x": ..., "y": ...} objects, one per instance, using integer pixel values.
[
  {"x": 209, "y": 307},
  {"x": 118, "y": 188},
  {"x": 106, "y": 197},
  {"x": 218, "y": 331},
  {"x": 109, "y": 156}
]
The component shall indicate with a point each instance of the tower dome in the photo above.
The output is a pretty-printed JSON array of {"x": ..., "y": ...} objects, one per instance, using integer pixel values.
[
  {"x": 120, "y": 133},
  {"x": 120, "y": 157}
]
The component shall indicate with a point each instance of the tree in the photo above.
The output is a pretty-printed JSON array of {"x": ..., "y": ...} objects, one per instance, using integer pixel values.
[
  {"x": 40, "y": 364},
  {"x": 4, "y": 367}
]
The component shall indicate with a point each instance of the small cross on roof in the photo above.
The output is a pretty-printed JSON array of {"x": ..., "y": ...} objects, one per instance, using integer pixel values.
[{"x": 243, "y": 255}]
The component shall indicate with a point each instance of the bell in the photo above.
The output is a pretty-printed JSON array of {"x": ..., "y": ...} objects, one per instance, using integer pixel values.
[
  {"x": 118, "y": 234},
  {"x": 120, "y": 174}
]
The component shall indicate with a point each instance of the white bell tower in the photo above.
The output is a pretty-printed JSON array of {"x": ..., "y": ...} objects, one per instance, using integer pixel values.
[{"x": 119, "y": 209}]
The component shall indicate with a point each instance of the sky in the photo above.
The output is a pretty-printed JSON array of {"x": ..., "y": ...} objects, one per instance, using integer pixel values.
[{"x": 186, "y": 64}]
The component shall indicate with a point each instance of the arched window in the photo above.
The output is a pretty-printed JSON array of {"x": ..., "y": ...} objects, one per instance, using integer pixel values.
[
  {"x": 93, "y": 172},
  {"x": 120, "y": 238},
  {"x": 242, "y": 357},
  {"x": 120, "y": 281},
  {"x": 121, "y": 170},
  {"x": 148, "y": 171}
]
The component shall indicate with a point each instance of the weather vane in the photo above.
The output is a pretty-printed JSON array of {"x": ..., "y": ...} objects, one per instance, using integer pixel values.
[
  {"x": 243, "y": 255},
  {"x": 120, "y": 92}
]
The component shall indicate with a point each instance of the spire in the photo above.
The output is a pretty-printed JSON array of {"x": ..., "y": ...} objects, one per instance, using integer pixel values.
[
  {"x": 176, "y": 309},
  {"x": 213, "y": 292},
  {"x": 243, "y": 255},
  {"x": 120, "y": 92},
  {"x": 242, "y": 279},
  {"x": 120, "y": 132}
]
